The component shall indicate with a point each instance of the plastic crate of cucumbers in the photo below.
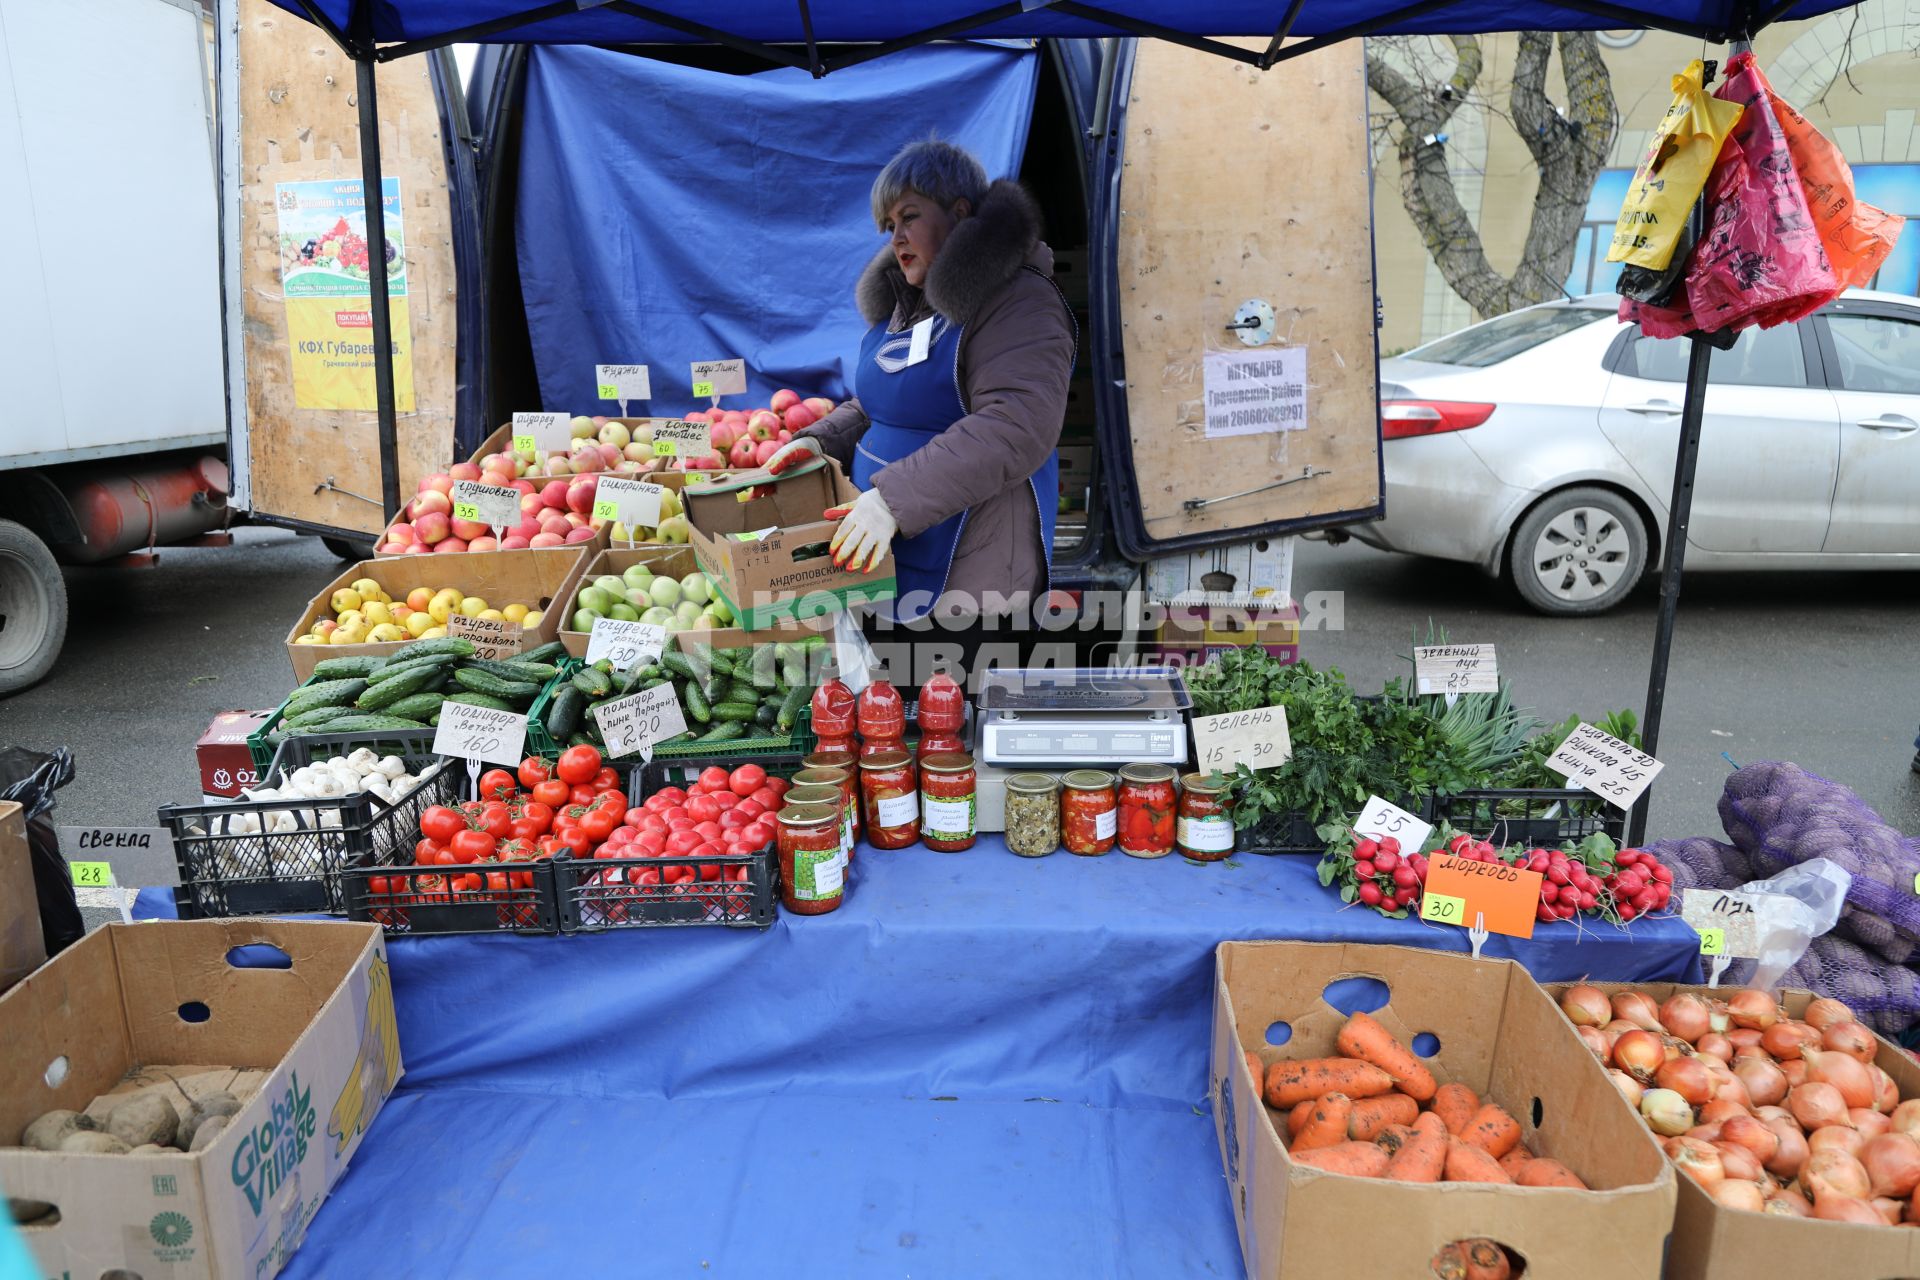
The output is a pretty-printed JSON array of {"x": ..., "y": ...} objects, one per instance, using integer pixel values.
[{"x": 751, "y": 700}]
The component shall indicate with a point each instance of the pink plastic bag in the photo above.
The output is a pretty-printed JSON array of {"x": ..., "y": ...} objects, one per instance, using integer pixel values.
[
  {"x": 1856, "y": 235},
  {"x": 1761, "y": 262}
]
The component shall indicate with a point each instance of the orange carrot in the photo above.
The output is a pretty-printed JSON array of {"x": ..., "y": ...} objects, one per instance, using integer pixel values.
[
  {"x": 1297, "y": 1118},
  {"x": 1493, "y": 1130},
  {"x": 1257, "y": 1067},
  {"x": 1424, "y": 1156},
  {"x": 1364, "y": 1038},
  {"x": 1472, "y": 1164},
  {"x": 1305, "y": 1078},
  {"x": 1548, "y": 1173},
  {"x": 1455, "y": 1104},
  {"x": 1392, "y": 1138},
  {"x": 1516, "y": 1160},
  {"x": 1371, "y": 1115},
  {"x": 1326, "y": 1124},
  {"x": 1451, "y": 1262},
  {"x": 1357, "y": 1159},
  {"x": 1486, "y": 1260}
]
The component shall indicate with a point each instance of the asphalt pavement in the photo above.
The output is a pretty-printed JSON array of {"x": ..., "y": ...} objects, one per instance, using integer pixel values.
[{"x": 1822, "y": 669}]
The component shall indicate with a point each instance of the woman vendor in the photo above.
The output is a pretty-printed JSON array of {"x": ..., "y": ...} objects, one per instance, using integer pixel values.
[{"x": 960, "y": 391}]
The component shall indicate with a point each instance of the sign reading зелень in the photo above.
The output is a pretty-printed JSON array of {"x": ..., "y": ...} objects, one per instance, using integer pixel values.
[{"x": 1257, "y": 739}]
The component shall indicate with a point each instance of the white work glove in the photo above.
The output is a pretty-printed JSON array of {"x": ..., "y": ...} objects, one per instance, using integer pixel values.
[
  {"x": 798, "y": 449},
  {"x": 865, "y": 532}
]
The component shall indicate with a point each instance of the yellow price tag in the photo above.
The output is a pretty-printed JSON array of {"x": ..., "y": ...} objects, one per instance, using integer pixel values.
[
  {"x": 666, "y": 448},
  {"x": 1713, "y": 941},
  {"x": 466, "y": 511},
  {"x": 524, "y": 444},
  {"x": 1443, "y": 909},
  {"x": 92, "y": 874},
  {"x": 605, "y": 509},
  {"x": 703, "y": 389},
  {"x": 608, "y": 391}
]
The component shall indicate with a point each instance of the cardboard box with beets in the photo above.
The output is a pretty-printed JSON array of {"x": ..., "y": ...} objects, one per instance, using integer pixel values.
[
  {"x": 784, "y": 571},
  {"x": 310, "y": 1050},
  {"x": 1711, "y": 1242},
  {"x": 539, "y": 579},
  {"x": 674, "y": 562},
  {"x": 1498, "y": 1033}
]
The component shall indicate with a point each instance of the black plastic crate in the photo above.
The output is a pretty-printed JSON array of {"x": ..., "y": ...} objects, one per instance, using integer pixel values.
[
  {"x": 1294, "y": 833},
  {"x": 225, "y": 871},
  {"x": 413, "y": 746},
  {"x": 1539, "y": 817},
  {"x": 409, "y": 900},
  {"x": 599, "y": 894}
]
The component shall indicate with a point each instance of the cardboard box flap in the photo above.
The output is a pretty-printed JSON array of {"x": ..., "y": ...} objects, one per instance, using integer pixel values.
[
  {"x": 797, "y": 496},
  {"x": 70, "y": 1041}
]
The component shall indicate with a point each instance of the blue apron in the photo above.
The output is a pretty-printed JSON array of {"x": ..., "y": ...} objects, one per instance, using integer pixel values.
[{"x": 907, "y": 405}]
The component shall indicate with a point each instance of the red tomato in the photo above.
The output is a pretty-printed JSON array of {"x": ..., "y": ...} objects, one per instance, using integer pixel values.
[
  {"x": 439, "y": 823},
  {"x": 553, "y": 793},
  {"x": 708, "y": 850},
  {"x": 676, "y": 874},
  {"x": 702, "y": 808},
  {"x": 580, "y": 795},
  {"x": 647, "y": 875},
  {"x": 614, "y": 802},
  {"x": 710, "y": 873},
  {"x": 377, "y": 886},
  {"x": 424, "y": 851},
  {"x": 496, "y": 882},
  {"x": 746, "y": 779},
  {"x": 429, "y": 884},
  {"x": 680, "y": 822},
  {"x": 766, "y": 798},
  {"x": 495, "y": 820},
  {"x": 725, "y": 799},
  {"x": 651, "y": 822},
  {"x": 668, "y": 795},
  {"x": 732, "y": 820},
  {"x": 607, "y": 778},
  {"x": 709, "y": 830},
  {"x": 515, "y": 850},
  {"x": 748, "y": 806},
  {"x": 534, "y": 771},
  {"x": 713, "y": 778},
  {"x": 653, "y": 843},
  {"x": 526, "y": 829},
  {"x": 520, "y": 879},
  {"x": 496, "y": 784},
  {"x": 472, "y": 846},
  {"x": 536, "y": 811},
  {"x": 550, "y": 846},
  {"x": 445, "y": 857},
  {"x": 599, "y": 824},
  {"x": 757, "y": 836},
  {"x": 571, "y": 837},
  {"x": 779, "y": 786},
  {"x": 737, "y": 875},
  {"x": 637, "y": 818},
  {"x": 577, "y": 765},
  {"x": 682, "y": 843}
]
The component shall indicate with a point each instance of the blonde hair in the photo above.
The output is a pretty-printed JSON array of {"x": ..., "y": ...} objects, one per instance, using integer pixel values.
[{"x": 938, "y": 170}]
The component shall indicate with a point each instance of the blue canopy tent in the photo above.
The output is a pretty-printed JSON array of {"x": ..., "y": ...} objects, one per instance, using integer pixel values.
[{"x": 792, "y": 33}]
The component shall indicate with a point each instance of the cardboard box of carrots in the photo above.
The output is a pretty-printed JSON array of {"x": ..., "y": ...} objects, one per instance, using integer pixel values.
[{"x": 1499, "y": 1150}]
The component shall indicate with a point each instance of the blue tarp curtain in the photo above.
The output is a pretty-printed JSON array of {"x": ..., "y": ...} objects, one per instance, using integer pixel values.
[{"x": 667, "y": 214}]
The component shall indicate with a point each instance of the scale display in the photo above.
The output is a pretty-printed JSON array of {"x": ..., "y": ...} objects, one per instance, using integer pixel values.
[{"x": 1055, "y": 716}]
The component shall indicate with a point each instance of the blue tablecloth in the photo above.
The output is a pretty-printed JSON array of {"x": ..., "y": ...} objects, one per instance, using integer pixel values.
[{"x": 978, "y": 1065}]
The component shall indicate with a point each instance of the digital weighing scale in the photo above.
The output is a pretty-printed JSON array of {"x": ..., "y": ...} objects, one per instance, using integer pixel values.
[{"x": 1053, "y": 716}]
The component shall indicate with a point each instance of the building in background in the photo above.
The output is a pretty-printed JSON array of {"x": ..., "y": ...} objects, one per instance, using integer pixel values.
[{"x": 1865, "y": 61}]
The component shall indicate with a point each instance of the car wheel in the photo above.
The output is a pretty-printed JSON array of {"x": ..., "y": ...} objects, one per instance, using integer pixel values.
[
  {"x": 1579, "y": 552},
  {"x": 349, "y": 548},
  {"x": 33, "y": 608}
]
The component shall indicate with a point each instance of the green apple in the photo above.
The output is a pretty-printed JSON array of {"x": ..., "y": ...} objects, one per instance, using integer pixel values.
[
  {"x": 637, "y": 575},
  {"x": 675, "y": 624},
  {"x": 595, "y": 600},
  {"x": 582, "y": 428},
  {"x": 664, "y": 591},
  {"x": 720, "y": 609},
  {"x": 638, "y": 598},
  {"x": 624, "y": 612},
  {"x": 613, "y": 586},
  {"x": 583, "y": 619},
  {"x": 674, "y": 529},
  {"x": 659, "y": 616},
  {"x": 687, "y": 611},
  {"x": 696, "y": 588},
  {"x": 711, "y": 621}
]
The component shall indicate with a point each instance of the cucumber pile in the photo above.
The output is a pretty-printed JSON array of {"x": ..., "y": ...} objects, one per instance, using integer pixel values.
[
  {"x": 728, "y": 696},
  {"x": 407, "y": 689}
]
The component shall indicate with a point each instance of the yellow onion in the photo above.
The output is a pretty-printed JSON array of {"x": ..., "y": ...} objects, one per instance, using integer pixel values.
[
  {"x": 1792, "y": 1154},
  {"x": 1848, "y": 1075},
  {"x": 1772, "y": 1113},
  {"x": 1892, "y": 1162},
  {"x": 1789, "y": 1204},
  {"x": 1742, "y": 1038},
  {"x": 1720, "y": 1110},
  {"x": 1890, "y": 1210},
  {"x": 1586, "y": 1006},
  {"x": 1594, "y": 1040},
  {"x": 1838, "y": 1208},
  {"x": 1785, "y": 1040},
  {"x": 1629, "y": 1087},
  {"x": 1666, "y": 1112},
  {"x": 1795, "y": 1071},
  {"x": 1638, "y": 1009},
  {"x": 1824, "y": 1012},
  {"x": 1714, "y": 1044},
  {"x": 1870, "y": 1123},
  {"x": 1717, "y": 1020},
  {"x": 1685, "y": 1016},
  {"x": 1735, "y": 1194},
  {"x": 1686, "y": 1077},
  {"x": 1752, "y": 1134},
  {"x": 1886, "y": 1094},
  {"x": 1765, "y": 1083},
  {"x": 1639, "y": 1053},
  {"x": 1698, "y": 1160},
  {"x": 1836, "y": 1137},
  {"x": 1738, "y": 1163},
  {"x": 1851, "y": 1039},
  {"x": 1906, "y": 1117},
  {"x": 1754, "y": 1010},
  {"x": 1834, "y": 1173}
]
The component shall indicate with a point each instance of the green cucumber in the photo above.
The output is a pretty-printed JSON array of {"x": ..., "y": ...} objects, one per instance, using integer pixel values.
[
  {"x": 454, "y": 646},
  {"x": 723, "y": 732},
  {"x": 514, "y": 669},
  {"x": 738, "y": 712},
  {"x": 550, "y": 652},
  {"x": 319, "y": 715},
  {"x": 473, "y": 699},
  {"x": 767, "y": 716},
  {"x": 695, "y": 702},
  {"x": 563, "y": 716},
  {"x": 478, "y": 681},
  {"x": 368, "y": 722},
  {"x": 416, "y": 706},
  {"x": 593, "y": 682},
  {"x": 680, "y": 665},
  {"x": 327, "y": 693},
  {"x": 765, "y": 667},
  {"x": 393, "y": 670},
  {"x": 336, "y": 668},
  {"x": 790, "y": 709},
  {"x": 416, "y": 679}
]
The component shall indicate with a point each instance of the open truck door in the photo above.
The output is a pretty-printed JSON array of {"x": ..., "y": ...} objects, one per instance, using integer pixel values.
[
  {"x": 1236, "y": 197},
  {"x": 305, "y": 441}
]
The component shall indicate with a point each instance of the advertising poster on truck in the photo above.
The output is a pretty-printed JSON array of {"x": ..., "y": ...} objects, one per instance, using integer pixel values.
[{"x": 324, "y": 274}]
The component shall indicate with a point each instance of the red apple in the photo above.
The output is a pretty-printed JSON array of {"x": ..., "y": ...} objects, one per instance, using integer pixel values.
[
  {"x": 546, "y": 540},
  {"x": 820, "y": 405},
  {"x": 554, "y": 496},
  {"x": 524, "y": 486},
  {"x": 587, "y": 461},
  {"x": 449, "y": 545},
  {"x": 761, "y": 452},
  {"x": 483, "y": 543},
  {"x": 763, "y": 423},
  {"x": 735, "y": 417},
  {"x": 439, "y": 482},
  {"x": 741, "y": 455},
  {"x": 432, "y": 503},
  {"x": 417, "y": 549},
  {"x": 393, "y": 548},
  {"x": 574, "y": 520},
  {"x": 585, "y": 533},
  {"x": 464, "y": 471},
  {"x": 554, "y": 522},
  {"x": 798, "y": 417},
  {"x": 783, "y": 435},
  {"x": 724, "y": 435},
  {"x": 783, "y": 400},
  {"x": 609, "y": 455},
  {"x": 499, "y": 479},
  {"x": 513, "y": 542},
  {"x": 468, "y": 529},
  {"x": 580, "y": 494},
  {"x": 402, "y": 533},
  {"x": 531, "y": 504},
  {"x": 433, "y": 528}
]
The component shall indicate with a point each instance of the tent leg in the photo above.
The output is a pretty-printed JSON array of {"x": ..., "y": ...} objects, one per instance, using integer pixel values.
[
  {"x": 374, "y": 203},
  {"x": 1679, "y": 512}
]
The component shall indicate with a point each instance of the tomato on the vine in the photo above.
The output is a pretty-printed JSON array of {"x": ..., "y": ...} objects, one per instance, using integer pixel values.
[
  {"x": 599, "y": 824},
  {"x": 581, "y": 794},
  {"x": 534, "y": 771},
  {"x": 607, "y": 778},
  {"x": 553, "y": 793},
  {"x": 425, "y": 850},
  {"x": 577, "y": 765},
  {"x": 540, "y": 813},
  {"x": 526, "y": 829},
  {"x": 473, "y": 846},
  {"x": 496, "y": 784},
  {"x": 439, "y": 824},
  {"x": 494, "y": 820}
]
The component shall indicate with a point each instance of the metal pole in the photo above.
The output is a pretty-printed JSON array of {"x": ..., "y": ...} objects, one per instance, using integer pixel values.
[
  {"x": 373, "y": 201},
  {"x": 1679, "y": 512}
]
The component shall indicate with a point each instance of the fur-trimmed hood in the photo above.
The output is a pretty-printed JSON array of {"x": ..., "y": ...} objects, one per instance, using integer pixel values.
[{"x": 978, "y": 260}]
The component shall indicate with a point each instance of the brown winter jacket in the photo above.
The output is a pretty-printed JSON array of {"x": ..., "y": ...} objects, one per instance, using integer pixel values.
[{"x": 1016, "y": 355}]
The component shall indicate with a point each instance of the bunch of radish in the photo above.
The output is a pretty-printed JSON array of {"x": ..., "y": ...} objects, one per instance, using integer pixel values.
[{"x": 1765, "y": 1112}]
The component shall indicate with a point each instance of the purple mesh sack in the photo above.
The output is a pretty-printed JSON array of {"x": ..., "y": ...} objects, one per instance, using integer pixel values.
[
  {"x": 1700, "y": 862},
  {"x": 1884, "y": 996}
]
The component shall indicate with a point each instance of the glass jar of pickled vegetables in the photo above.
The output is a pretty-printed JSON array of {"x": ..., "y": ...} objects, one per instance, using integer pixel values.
[
  {"x": 840, "y": 776},
  {"x": 889, "y": 799},
  {"x": 830, "y": 796},
  {"x": 1032, "y": 822},
  {"x": 948, "y": 804},
  {"x": 811, "y": 879},
  {"x": 1147, "y": 810},
  {"x": 882, "y": 719},
  {"x": 938, "y": 743},
  {"x": 1089, "y": 812},
  {"x": 1204, "y": 829}
]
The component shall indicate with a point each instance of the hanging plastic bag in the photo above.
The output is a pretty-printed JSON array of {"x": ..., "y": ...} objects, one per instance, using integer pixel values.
[
  {"x": 1857, "y": 236},
  {"x": 1809, "y": 898},
  {"x": 1673, "y": 171},
  {"x": 1761, "y": 262}
]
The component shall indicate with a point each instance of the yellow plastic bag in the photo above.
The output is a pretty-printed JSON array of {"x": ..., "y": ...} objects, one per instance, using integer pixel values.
[{"x": 1679, "y": 157}]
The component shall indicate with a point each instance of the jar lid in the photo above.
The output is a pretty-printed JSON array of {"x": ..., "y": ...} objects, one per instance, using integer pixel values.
[
  {"x": 946, "y": 762},
  {"x": 1033, "y": 783},
  {"x": 821, "y": 776},
  {"x": 1210, "y": 783},
  {"x": 807, "y": 815},
  {"x": 886, "y": 760},
  {"x": 1087, "y": 779},
  {"x": 814, "y": 795},
  {"x": 1146, "y": 773},
  {"x": 828, "y": 760}
]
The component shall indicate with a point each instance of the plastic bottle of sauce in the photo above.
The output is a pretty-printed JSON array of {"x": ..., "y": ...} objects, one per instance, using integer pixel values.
[
  {"x": 882, "y": 719},
  {"x": 833, "y": 716}
]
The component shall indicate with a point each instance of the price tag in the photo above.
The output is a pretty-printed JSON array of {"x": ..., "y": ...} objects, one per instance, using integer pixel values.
[
  {"x": 490, "y": 504},
  {"x": 1443, "y": 909},
  {"x": 1380, "y": 818},
  {"x": 1504, "y": 897},
  {"x": 1604, "y": 765},
  {"x": 626, "y": 644},
  {"x": 543, "y": 432},
  {"x": 493, "y": 639},
  {"x": 715, "y": 378},
  {"x": 91, "y": 875},
  {"x": 1738, "y": 922},
  {"x": 682, "y": 440},
  {"x": 630, "y": 726},
  {"x": 630, "y": 502},
  {"x": 1456, "y": 668},
  {"x": 1713, "y": 942},
  {"x": 1257, "y": 739},
  {"x": 79, "y": 843},
  {"x": 480, "y": 733},
  {"x": 623, "y": 382}
]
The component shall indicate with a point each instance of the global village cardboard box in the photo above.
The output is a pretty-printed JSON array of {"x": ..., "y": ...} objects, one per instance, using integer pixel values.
[
  {"x": 311, "y": 1051},
  {"x": 1712, "y": 1242},
  {"x": 1498, "y": 1033},
  {"x": 22, "y": 945},
  {"x": 761, "y": 541},
  {"x": 537, "y": 578}
]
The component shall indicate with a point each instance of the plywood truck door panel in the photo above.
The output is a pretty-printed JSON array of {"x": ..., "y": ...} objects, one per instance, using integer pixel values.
[
  {"x": 299, "y": 123},
  {"x": 1239, "y": 184}
]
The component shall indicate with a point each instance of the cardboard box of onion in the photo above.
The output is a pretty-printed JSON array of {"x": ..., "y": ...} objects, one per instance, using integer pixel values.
[
  {"x": 1715, "y": 1241},
  {"x": 1491, "y": 1143}
]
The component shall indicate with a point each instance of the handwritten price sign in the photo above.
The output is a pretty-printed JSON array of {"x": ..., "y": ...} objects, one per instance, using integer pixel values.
[
  {"x": 493, "y": 638},
  {"x": 489, "y": 504},
  {"x": 715, "y": 378},
  {"x": 1459, "y": 890},
  {"x": 630, "y": 502},
  {"x": 682, "y": 440},
  {"x": 542, "y": 432},
  {"x": 623, "y": 382},
  {"x": 1257, "y": 739},
  {"x": 1380, "y": 818},
  {"x": 1456, "y": 668},
  {"x": 480, "y": 733},
  {"x": 1604, "y": 765},
  {"x": 1732, "y": 923},
  {"x": 626, "y": 644},
  {"x": 631, "y": 726}
]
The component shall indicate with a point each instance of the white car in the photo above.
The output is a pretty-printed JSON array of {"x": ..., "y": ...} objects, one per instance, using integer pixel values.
[{"x": 1540, "y": 446}]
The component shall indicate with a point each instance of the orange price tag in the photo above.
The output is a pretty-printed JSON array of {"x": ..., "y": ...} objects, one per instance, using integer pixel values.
[{"x": 1506, "y": 896}]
